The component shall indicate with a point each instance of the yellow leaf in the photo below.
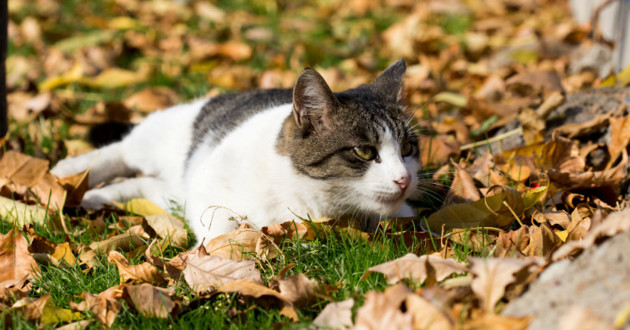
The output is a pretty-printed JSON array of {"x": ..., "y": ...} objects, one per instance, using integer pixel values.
[
  {"x": 54, "y": 314},
  {"x": 63, "y": 252},
  {"x": 562, "y": 234},
  {"x": 455, "y": 99},
  {"x": 71, "y": 76},
  {"x": 124, "y": 23},
  {"x": 531, "y": 197},
  {"x": 113, "y": 78},
  {"x": 140, "y": 206}
]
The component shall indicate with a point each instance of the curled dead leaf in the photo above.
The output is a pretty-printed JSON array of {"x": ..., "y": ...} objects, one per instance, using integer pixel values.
[{"x": 418, "y": 268}]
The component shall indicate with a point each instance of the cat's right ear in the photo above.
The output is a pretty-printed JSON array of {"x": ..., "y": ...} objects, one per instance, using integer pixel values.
[{"x": 313, "y": 101}]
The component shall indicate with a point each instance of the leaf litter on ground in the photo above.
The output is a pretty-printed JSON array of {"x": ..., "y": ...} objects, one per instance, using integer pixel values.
[{"x": 490, "y": 85}]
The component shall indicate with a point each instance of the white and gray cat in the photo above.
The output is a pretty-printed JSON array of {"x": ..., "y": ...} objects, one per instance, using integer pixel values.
[{"x": 267, "y": 156}]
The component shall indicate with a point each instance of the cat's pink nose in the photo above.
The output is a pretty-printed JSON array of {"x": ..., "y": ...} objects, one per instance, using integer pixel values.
[{"x": 403, "y": 182}]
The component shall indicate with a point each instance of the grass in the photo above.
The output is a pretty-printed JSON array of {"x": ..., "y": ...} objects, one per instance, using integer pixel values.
[
  {"x": 330, "y": 259},
  {"x": 337, "y": 260}
]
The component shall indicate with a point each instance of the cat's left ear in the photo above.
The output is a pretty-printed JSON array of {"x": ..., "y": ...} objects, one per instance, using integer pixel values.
[{"x": 389, "y": 84}]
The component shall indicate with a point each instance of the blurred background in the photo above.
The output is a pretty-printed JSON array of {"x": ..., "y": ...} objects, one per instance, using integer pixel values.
[{"x": 474, "y": 66}]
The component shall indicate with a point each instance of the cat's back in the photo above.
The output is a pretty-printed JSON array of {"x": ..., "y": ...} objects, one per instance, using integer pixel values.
[{"x": 225, "y": 112}]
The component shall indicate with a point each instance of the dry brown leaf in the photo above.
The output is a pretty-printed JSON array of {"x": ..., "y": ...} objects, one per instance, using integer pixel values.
[
  {"x": 336, "y": 315},
  {"x": 498, "y": 322},
  {"x": 209, "y": 272},
  {"x": 237, "y": 245},
  {"x": 76, "y": 185},
  {"x": 248, "y": 288},
  {"x": 170, "y": 229},
  {"x": 124, "y": 242},
  {"x": 104, "y": 308},
  {"x": 543, "y": 241},
  {"x": 151, "y": 99},
  {"x": 289, "y": 229},
  {"x": 32, "y": 308},
  {"x": 418, "y": 268},
  {"x": 78, "y": 325},
  {"x": 615, "y": 223},
  {"x": 513, "y": 240},
  {"x": 463, "y": 189},
  {"x": 143, "y": 273},
  {"x": 540, "y": 81},
  {"x": 15, "y": 260},
  {"x": 426, "y": 315},
  {"x": 381, "y": 310},
  {"x": 619, "y": 137},
  {"x": 299, "y": 289},
  {"x": 151, "y": 301},
  {"x": 492, "y": 275}
]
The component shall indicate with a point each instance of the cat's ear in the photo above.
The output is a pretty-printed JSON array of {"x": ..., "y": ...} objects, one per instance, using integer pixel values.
[
  {"x": 313, "y": 101},
  {"x": 389, "y": 84}
]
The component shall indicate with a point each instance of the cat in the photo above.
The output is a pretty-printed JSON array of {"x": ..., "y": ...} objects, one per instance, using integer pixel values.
[{"x": 267, "y": 156}]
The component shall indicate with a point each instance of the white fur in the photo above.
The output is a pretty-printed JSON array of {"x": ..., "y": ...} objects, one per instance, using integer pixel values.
[{"x": 242, "y": 178}]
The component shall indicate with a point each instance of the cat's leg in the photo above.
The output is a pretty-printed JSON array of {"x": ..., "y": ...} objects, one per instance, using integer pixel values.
[
  {"x": 104, "y": 163},
  {"x": 150, "y": 188}
]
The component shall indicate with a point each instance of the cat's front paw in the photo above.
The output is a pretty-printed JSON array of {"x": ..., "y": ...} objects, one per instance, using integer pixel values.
[{"x": 94, "y": 201}]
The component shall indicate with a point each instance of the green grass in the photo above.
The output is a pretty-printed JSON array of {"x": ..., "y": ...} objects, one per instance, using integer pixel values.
[{"x": 330, "y": 259}]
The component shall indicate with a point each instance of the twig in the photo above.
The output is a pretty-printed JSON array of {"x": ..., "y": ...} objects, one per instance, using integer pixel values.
[{"x": 492, "y": 139}]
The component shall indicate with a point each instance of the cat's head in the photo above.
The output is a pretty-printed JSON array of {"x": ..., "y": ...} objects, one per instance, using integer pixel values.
[{"x": 358, "y": 143}]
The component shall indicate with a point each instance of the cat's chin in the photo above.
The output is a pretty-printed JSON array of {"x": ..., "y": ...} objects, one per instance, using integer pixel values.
[{"x": 387, "y": 206}]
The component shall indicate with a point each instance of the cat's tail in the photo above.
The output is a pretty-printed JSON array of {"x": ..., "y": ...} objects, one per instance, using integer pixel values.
[{"x": 104, "y": 163}]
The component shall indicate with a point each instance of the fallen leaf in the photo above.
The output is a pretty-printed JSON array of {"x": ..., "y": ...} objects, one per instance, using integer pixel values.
[
  {"x": 76, "y": 185},
  {"x": 113, "y": 78},
  {"x": 299, "y": 289},
  {"x": 491, "y": 211},
  {"x": 418, "y": 268},
  {"x": 15, "y": 260},
  {"x": 151, "y": 99},
  {"x": 463, "y": 189},
  {"x": 208, "y": 272},
  {"x": 63, "y": 252},
  {"x": 336, "y": 315},
  {"x": 169, "y": 229},
  {"x": 140, "y": 206},
  {"x": 124, "y": 242},
  {"x": 381, "y": 310},
  {"x": 498, "y": 322},
  {"x": 75, "y": 325},
  {"x": 237, "y": 245},
  {"x": 150, "y": 301},
  {"x": 32, "y": 308},
  {"x": 492, "y": 275},
  {"x": 614, "y": 223},
  {"x": 426, "y": 315},
  {"x": 251, "y": 289},
  {"x": 543, "y": 241},
  {"x": 104, "y": 308},
  {"x": 143, "y": 273}
]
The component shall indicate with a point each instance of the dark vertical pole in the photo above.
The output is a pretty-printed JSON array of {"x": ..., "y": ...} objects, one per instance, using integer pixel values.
[{"x": 4, "y": 39}]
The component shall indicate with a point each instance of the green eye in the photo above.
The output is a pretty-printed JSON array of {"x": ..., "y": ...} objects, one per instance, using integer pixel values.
[
  {"x": 406, "y": 149},
  {"x": 365, "y": 153}
]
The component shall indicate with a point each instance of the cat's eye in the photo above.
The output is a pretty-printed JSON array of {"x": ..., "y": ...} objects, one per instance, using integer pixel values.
[
  {"x": 406, "y": 149},
  {"x": 365, "y": 153}
]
